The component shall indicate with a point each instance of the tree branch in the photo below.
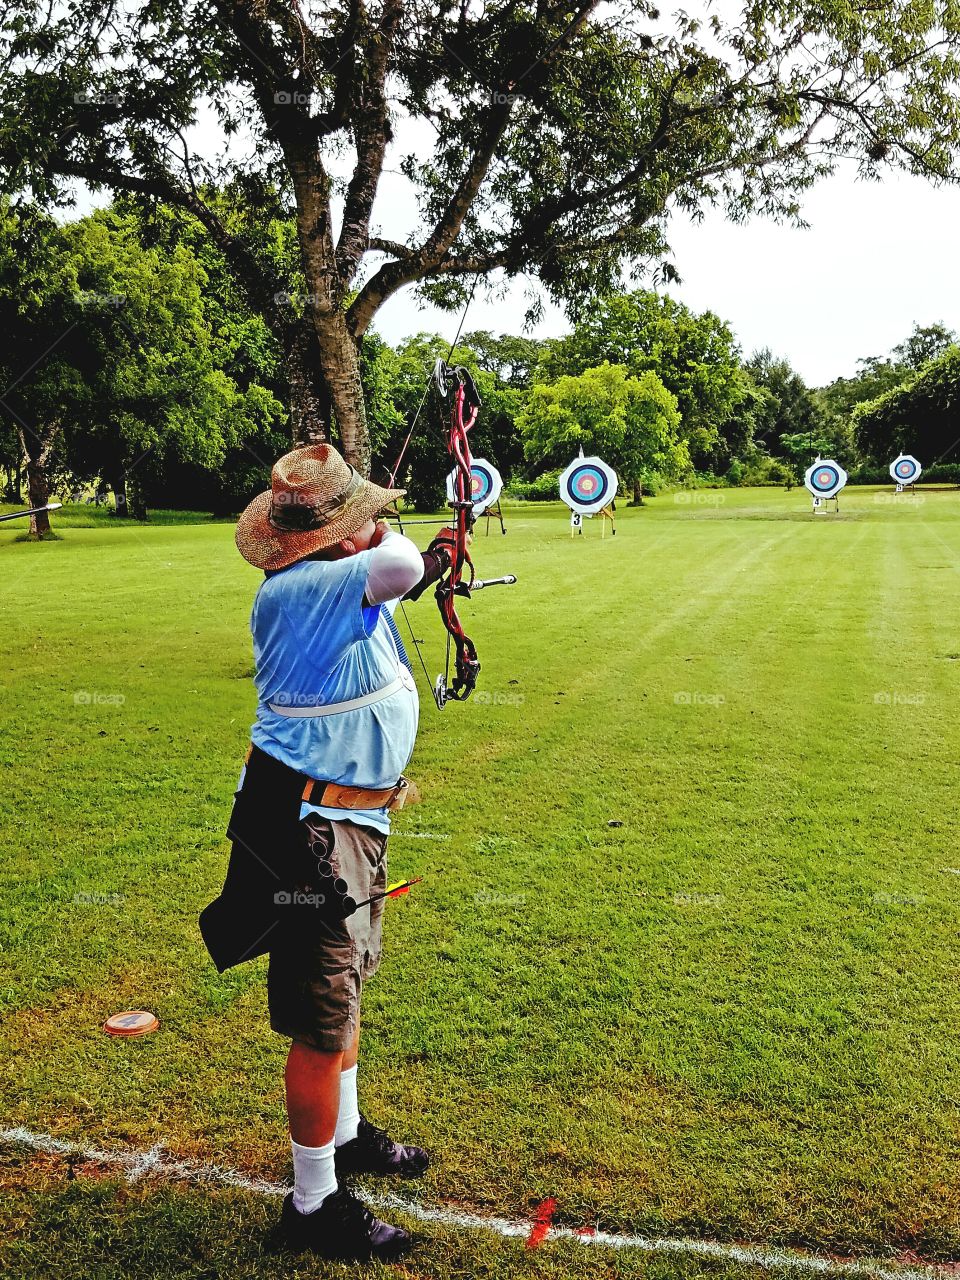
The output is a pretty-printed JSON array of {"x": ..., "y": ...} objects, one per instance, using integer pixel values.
[
  {"x": 371, "y": 136},
  {"x": 269, "y": 72},
  {"x": 395, "y": 249},
  {"x": 261, "y": 289},
  {"x": 420, "y": 262}
]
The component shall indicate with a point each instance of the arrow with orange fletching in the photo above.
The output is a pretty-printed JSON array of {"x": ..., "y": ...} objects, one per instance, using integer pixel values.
[{"x": 392, "y": 891}]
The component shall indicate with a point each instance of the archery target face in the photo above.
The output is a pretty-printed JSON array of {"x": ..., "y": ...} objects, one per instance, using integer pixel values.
[
  {"x": 588, "y": 485},
  {"x": 905, "y": 469},
  {"x": 825, "y": 478},
  {"x": 486, "y": 483}
]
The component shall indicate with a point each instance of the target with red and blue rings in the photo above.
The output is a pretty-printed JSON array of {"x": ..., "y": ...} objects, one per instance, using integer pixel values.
[
  {"x": 486, "y": 485},
  {"x": 825, "y": 478},
  {"x": 588, "y": 485},
  {"x": 905, "y": 469}
]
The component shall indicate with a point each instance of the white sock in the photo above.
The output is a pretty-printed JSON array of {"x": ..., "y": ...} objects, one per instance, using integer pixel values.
[
  {"x": 313, "y": 1175},
  {"x": 348, "y": 1118}
]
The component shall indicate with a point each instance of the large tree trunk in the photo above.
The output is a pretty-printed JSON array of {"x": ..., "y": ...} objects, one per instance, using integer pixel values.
[
  {"x": 308, "y": 396},
  {"x": 38, "y": 448},
  {"x": 38, "y": 490},
  {"x": 340, "y": 366},
  {"x": 638, "y": 493},
  {"x": 339, "y": 354}
]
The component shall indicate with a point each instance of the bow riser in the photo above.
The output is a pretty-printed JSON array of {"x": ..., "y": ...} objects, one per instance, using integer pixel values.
[{"x": 459, "y": 579}]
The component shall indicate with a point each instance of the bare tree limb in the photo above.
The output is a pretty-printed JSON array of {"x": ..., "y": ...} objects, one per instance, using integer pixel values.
[{"x": 371, "y": 137}]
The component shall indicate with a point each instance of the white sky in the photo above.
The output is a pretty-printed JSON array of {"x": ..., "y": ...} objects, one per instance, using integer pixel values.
[{"x": 877, "y": 259}]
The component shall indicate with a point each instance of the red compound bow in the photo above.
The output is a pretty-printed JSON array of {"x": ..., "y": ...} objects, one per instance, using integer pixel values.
[{"x": 463, "y": 414}]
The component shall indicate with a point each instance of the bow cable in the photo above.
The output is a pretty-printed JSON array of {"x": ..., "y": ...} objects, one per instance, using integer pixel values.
[
  {"x": 426, "y": 390},
  {"x": 463, "y": 415},
  {"x": 431, "y": 380}
]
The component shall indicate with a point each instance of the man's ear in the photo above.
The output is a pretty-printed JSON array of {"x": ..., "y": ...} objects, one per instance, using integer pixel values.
[{"x": 347, "y": 546}]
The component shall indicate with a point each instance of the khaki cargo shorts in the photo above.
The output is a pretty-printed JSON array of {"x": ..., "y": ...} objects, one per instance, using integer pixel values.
[{"x": 319, "y": 964}]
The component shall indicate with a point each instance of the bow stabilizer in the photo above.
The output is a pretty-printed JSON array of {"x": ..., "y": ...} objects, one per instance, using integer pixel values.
[{"x": 32, "y": 511}]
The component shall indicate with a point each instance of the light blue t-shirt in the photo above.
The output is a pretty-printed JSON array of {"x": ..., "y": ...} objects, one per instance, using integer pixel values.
[{"x": 314, "y": 644}]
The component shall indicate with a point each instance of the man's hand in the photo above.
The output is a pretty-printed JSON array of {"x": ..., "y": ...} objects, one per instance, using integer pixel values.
[
  {"x": 381, "y": 529},
  {"x": 450, "y": 535}
]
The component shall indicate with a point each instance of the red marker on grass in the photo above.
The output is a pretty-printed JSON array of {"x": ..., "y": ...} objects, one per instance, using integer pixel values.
[{"x": 541, "y": 1223}]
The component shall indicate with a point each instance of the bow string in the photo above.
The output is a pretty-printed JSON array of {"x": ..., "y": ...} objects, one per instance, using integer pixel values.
[
  {"x": 460, "y": 579},
  {"x": 463, "y": 414}
]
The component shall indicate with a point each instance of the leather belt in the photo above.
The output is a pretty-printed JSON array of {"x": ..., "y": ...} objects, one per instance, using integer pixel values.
[{"x": 334, "y": 795}]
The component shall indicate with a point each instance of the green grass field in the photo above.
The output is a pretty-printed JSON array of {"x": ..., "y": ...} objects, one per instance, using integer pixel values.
[{"x": 685, "y": 954}]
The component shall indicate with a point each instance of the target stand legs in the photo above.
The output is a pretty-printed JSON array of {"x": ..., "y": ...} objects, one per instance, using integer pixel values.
[{"x": 497, "y": 514}]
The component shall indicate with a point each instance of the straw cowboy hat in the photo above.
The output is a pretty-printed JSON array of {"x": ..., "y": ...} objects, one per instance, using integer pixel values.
[{"x": 314, "y": 501}]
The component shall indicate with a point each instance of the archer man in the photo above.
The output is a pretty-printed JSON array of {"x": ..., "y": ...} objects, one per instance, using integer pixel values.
[{"x": 337, "y": 714}]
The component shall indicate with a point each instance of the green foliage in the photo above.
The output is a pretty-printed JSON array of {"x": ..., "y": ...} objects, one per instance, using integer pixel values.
[
  {"x": 551, "y": 143},
  {"x": 138, "y": 372},
  {"x": 919, "y": 417},
  {"x": 875, "y": 376},
  {"x": 513, "y": 360},
  {"x": 169, "y": 374},
  {"x": 406, "y": 390},
  {"x": 878, "y": 375},
  {"x": 939, "y": 473},
  {"x": 694, "y": 356},
  {"x": 802, "y": 450},
  {"x": 926, "y": 343},
  {"x": 764, "y": 470},
  {"x": 702, "y": 480},
  {"x": 544, "y": 488},
  {"x": 631, "y": 422},
  {"x": 244, "y": 346},
  {"x": 789, "y": 407}
]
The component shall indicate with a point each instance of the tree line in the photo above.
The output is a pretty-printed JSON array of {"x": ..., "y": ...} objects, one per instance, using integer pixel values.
[
  {"x": 135, "y": 365},
  {"x": 538, "y": 139}
]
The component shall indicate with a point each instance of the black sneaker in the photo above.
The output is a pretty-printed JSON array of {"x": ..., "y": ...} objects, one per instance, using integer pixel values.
[
  {"x": 342, "y": 1228},
  {"x": 374, "y": 1151}
]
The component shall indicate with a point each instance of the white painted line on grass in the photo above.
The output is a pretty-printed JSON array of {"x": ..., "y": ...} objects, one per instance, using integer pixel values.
[{"x": 139, "y": 1164}]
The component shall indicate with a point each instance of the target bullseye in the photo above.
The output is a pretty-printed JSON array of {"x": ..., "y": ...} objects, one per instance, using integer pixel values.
[
  {"x": 486, "y": 485},
  {"x": 905, "y": 469},
  {"x": 825, "y": 478}
]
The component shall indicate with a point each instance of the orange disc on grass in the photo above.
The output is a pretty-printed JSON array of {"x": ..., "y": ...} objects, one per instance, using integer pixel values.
[{"x": 132, "y": 1022}]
